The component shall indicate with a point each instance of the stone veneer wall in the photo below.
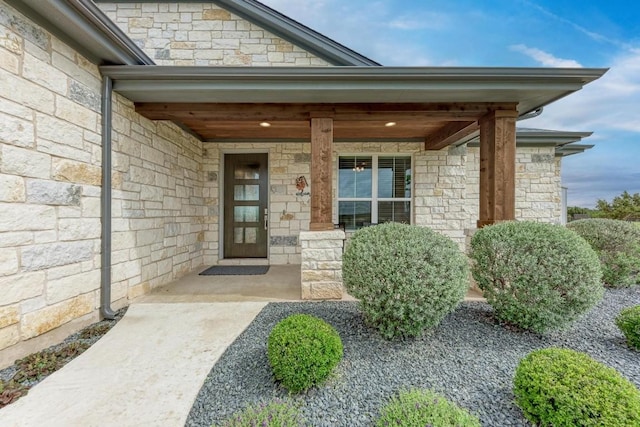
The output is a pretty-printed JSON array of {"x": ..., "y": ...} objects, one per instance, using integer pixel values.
[
  {"x": 203, "y": 34},
  {"x": 289, "y": 213},
  {"x": 50, "y": 173}
]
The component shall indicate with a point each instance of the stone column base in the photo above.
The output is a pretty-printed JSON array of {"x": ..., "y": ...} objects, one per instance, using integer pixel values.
[{"x": 321, "y": 269}]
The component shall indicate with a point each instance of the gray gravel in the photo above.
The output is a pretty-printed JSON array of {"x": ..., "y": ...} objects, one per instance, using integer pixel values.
[{"x": 468, "y": 357}]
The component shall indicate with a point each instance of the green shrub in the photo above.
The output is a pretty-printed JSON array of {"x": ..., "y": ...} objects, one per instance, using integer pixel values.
[
  {"x": 424, "y": 408},
  {"x": 536, "y": 276},
  {"x": 561, "y": 387},
  {"x": 407, "y": 278},
  {"x": 617, "y": 244},
  {"x": 303, "y": 350},
  {"x": 273, "y": 414},
  {"x": 629, "y": 323}
]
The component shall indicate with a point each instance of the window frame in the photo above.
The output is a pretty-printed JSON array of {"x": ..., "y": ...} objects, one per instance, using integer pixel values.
[{"x": 374, "y": 199}]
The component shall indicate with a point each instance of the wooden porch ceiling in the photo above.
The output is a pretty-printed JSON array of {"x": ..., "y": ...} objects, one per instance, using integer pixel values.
[{"x": 437, "y": 124}]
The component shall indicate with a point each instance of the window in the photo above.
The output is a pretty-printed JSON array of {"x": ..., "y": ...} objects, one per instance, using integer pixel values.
[{"x": 373, "y": 189}]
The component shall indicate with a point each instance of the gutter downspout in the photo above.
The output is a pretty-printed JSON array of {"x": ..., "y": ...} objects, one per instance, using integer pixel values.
[{"x": 105, "y": 202}]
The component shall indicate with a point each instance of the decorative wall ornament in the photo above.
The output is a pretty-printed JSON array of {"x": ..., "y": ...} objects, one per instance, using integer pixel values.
[{"x": 301, "y": 185}]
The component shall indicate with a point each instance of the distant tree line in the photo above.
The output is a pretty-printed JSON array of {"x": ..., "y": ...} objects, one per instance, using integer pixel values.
[{"x": 625, "y": 206}]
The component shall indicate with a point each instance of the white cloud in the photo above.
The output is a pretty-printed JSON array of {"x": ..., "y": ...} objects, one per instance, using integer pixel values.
[
  {"x": 611, "y": 103},
  {"x": 545, "y": 58}
]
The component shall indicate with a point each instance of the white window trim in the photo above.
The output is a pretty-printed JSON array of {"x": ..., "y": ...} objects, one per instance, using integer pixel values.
[{"x": 374, "y": 184}]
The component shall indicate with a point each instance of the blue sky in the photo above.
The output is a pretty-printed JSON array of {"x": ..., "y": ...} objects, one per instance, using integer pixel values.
[{"x": 516, "y": 33}]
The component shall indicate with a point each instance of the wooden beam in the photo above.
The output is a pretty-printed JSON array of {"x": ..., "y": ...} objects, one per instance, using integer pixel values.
[
  {"x": 454, "y": 111},
  {"x": 448, "y": 134},
  {"x": 497, "y": 167},
  {"x": 321, "y": 176}
]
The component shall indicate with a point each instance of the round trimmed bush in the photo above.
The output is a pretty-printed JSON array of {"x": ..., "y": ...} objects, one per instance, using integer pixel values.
[
  {"x": 275, "y": 414},
  {"x": 629, "y": 323},
  {"x": 302, "y": 351},
  {"x": 424, "y": 408},
  {"x": 561, "y": 387},
  {"x": 407, "y": 278},
  {"x": 617, "y": 244},
  {"x": 536, "y": 276}
]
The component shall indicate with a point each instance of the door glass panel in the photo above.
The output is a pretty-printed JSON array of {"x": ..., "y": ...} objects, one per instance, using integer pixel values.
[
  {"x": 354, "y": 214},
  {"x": 251, "y": 235},
  {"x": 394, "y": 177},
  {"x": 238, "y": 235},
  {"x": 247, "y": 171},
  {"x": 246, "y": 213},
  {"x": 394, "y": 212},
  {"x": 246, "y": 192},
  {"x": 354, "y": 177}
]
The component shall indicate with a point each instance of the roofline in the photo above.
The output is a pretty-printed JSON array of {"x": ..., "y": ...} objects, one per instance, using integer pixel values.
[
  {"x": 83, "y": 26},
  {"x": 285, "y": 27},
  {"x": 357, "y": 73}
]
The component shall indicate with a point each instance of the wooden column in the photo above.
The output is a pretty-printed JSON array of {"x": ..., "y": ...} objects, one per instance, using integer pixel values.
[
  {"x": 497, "y": 167},
  {"x": 321, "y": 176}
]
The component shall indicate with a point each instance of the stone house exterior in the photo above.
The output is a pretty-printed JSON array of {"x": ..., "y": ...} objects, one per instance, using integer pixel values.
[{"x": 140, "y": 141}]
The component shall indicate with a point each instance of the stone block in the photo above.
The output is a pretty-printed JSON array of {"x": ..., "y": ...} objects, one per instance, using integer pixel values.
[
  {"x": 22, "y": 217},
  {"x": 76, "y": 113},
  {"x": 72, "y": 286},
  {"x": 313, "y": 276},
  {"x": 10, "y": 41},
  {"x": 26, "y": 93},
  {"x": 322, "y": 235},
  {"x": 8, "y": 261},
  {"x": 11, "y": 188},
  {"x": 41, "y": 257},
  {"x": 44, "y": 74},
  {"x": 79, "y": 229},
  {"x": 16, "y": 131},
  {"x": 53, "y": 193},
  {"x": 76, "y": 172},
  {"x": 326, "y": 290},
  {"x": 9, "y": 316},
  {"x": 22, "y": 162},
  {"x": 41, "y": 321},
  {"x": 9, "y": 336},
  {"x": 138, "y": 290},
  {"x": 290, "y": 241}
]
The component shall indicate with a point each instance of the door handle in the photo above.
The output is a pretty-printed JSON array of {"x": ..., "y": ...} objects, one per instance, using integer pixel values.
[{"x": 266, "y": 218}]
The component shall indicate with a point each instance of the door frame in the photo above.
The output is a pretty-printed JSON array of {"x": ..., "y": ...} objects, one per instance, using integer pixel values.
[{"x": 221, "y": 188}]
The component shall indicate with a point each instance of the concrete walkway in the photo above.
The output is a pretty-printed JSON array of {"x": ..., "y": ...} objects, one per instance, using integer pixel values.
[{"x": 146, "y": 371}]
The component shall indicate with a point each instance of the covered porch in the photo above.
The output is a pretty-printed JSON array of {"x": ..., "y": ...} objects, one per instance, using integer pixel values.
[{"x": 436, "y": 108}]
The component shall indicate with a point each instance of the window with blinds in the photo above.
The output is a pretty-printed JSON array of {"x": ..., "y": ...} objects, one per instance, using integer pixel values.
[{"x": 373, "y": 189}]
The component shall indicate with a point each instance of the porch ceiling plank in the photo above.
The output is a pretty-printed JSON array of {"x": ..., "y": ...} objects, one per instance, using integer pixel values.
[{"x": 449, "y": 133}]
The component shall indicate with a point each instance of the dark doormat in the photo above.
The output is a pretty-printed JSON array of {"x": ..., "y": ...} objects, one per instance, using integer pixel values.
[{"x": 235, "y": 270}]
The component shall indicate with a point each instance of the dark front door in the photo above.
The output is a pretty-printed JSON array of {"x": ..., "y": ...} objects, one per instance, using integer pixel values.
[{"x": 245, "y": 205}]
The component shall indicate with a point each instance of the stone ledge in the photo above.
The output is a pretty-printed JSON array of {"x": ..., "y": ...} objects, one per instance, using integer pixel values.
[{"x": 322, "y": 235}]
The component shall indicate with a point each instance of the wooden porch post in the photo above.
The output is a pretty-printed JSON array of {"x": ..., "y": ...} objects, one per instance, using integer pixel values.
[
  {"x": 321, "y": 176},
  {"x": 497, "y": 167}
]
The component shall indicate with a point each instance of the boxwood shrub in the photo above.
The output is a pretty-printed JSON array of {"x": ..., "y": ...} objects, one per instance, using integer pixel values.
[
  {"x": 629, "y": 323},
  {"x": 302, "y": 351},
  {"x": 617, "y": 244},
  {"x": 537, "y": 276},
  {"x": 277, "y": 413},
  {"x": 424, "y": 408},
  {"x": 561, "y": 387},
  {"x": 407, "y": 278}
]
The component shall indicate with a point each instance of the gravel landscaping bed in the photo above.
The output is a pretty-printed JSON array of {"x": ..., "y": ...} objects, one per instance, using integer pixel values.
[{"x": 468, "y": 357}]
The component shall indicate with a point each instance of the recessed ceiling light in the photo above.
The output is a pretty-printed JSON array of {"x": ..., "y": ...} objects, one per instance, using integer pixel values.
[
  {"x": 265, "y": 124},
  {"x": 390, "y": 124}
]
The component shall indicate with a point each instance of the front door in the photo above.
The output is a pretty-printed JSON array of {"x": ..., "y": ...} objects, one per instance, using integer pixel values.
[{"x": 245, "y": 205}]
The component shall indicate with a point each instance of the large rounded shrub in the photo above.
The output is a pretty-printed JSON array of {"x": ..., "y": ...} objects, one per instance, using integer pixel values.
[
  {"x": 407, "y": 278},
  {"x": 537, "y": 276},
  {"x": 629, "y": 323},
  {"x": 302, "y": 351},
  {"x": 617, "y": 244},
  {"x": 424, "y": 408},
  {"x": 561, "y": 387}
]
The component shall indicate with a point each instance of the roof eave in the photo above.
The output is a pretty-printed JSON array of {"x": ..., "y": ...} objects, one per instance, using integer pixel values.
[
  {"x": 83, "y": 26},
  {"x": 532, "y": 88}
]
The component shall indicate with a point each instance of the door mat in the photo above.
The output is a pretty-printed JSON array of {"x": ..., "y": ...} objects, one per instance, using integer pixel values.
[{"x": 235, "y": 270}]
